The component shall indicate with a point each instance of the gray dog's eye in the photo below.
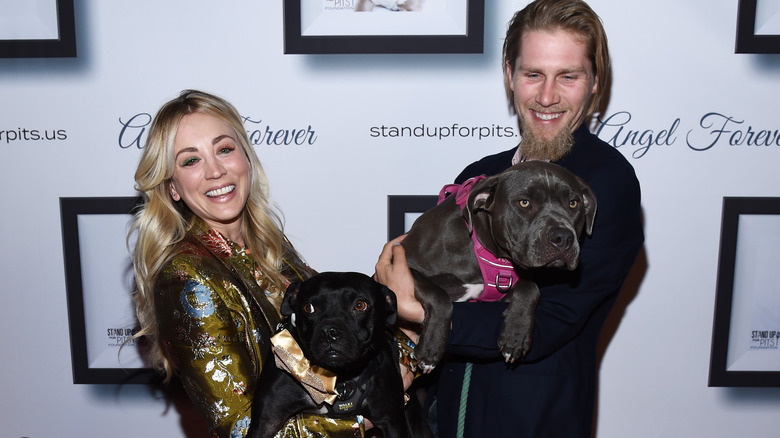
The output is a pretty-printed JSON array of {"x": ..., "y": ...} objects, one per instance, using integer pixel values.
[
  {"x": 361, "y": 306},
  {"x": 573, "y": 203},
  {"x": 308, "y": 308},
  {"x": 525, "y": 203}
]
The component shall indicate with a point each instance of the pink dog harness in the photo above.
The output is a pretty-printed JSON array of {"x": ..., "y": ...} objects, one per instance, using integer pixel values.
[{"x": 497, "y": 269}]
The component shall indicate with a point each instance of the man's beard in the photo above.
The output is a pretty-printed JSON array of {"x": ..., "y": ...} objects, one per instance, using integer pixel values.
[{"x": 536, "y": 148}]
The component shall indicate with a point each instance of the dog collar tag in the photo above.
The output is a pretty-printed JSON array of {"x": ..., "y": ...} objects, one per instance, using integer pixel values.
[
  {"x": 350, "y": 397},
  {"x": 345, "y": 390}
]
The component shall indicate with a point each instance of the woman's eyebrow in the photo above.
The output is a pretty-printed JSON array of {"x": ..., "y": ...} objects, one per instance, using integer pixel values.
[{"x": 219, "y": 138}]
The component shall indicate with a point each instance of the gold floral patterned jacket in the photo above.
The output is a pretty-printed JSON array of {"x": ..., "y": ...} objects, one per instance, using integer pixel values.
[{"x": 218, "y": 336}]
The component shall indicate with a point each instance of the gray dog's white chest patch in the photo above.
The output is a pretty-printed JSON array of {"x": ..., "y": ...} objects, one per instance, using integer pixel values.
[{"x": 471, "y": 292}]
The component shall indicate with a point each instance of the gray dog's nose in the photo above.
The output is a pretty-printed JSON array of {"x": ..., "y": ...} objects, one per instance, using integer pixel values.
[{"x": 561, "y": 238}]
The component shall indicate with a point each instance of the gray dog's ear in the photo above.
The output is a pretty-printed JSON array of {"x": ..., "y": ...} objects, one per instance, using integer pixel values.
[
  {"x": 589, "y": 199},
  {"x": 480, "y": 198},
  {"x": 390, "y": 304},
  {"x": 288, "y": 303}
]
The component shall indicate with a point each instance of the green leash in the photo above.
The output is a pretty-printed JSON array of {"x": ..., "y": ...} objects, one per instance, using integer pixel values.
[{"x": 464, "y": 396}]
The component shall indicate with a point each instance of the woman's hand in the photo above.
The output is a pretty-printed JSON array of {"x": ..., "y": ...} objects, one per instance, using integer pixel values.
[
  {"x": 407, "y": 375},
  {"x": 393, "y": 272}
]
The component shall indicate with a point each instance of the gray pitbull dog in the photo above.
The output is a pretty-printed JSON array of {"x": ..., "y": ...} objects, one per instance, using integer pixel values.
[
  {"x": 532, "y": 214},
  {"x": 340, "y": 324}
]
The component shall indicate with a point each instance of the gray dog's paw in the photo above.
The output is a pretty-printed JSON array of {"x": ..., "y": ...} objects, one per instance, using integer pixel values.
[
  {"x": 428, "y": 365},
  {"x": 515, "y": 345},
  {"x": 427, "y": 368},
  {"x": 427, "y": 358}
]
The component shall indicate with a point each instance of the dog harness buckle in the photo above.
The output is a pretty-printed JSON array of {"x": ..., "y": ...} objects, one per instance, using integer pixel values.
[{"x": 508, "y": 281}]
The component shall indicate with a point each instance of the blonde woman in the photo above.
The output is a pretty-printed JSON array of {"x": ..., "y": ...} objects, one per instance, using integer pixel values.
[{"x": 211, "y": 264}]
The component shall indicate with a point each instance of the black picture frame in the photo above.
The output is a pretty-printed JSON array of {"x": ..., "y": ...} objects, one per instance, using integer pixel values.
[
  {"x": 399, "y": 206},
  {"x": 747, "y": 41},
  {"x": 76, "y": 269},
  {"x": 297, "y": 43},
  {"x": 62, "y": 47},
  {"x": 728, "y": 298}
]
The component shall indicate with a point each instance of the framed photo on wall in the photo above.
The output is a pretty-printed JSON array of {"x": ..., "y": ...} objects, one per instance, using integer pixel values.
[
  {"x": 37, "y": 29},
  {"x": 383, "y": 26},
  {"x": 99, "y": 284},
  {"x": 746, "y": 327},
  {"x": 758, "y": 27},
  {"x": 403, "y": 210}
]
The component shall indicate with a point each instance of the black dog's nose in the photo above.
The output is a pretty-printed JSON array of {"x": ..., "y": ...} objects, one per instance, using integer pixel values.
[
  {"x": 332, "y": 333},
  {"x": 561, "y": 238}
]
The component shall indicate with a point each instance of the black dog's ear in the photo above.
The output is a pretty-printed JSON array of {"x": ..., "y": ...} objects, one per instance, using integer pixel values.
[
  {"x": 288, "y": 303},
  {"x": 390, "y": 304}
]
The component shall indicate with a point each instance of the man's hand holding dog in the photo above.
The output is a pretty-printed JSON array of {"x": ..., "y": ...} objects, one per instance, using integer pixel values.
[{"x": 393, "y": 272}]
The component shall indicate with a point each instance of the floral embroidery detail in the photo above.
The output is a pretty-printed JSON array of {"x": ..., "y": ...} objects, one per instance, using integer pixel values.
[
  {"x": 204, "y": 343},
  {"x": 181, "y": 273},
  {"x": 218, "y": 375},
  {"x": 257, "y": 335},
  {"x": 196, "y": 300},
  {"x": 240, "y": 428},
  {"x": 241, "y": 252},
  {"x": 219, "y": 367},
  {"x": 214, "y": 240},
  {"x": 239, "y": 388},
  {"x": 220, "y": 408}
]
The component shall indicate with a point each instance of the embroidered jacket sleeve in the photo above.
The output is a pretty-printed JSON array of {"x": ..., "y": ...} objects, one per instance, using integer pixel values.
[{"x": 219, "y": 342}]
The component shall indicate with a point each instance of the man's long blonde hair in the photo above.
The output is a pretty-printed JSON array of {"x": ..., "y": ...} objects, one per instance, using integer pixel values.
[{"x": 160, "y": 222}]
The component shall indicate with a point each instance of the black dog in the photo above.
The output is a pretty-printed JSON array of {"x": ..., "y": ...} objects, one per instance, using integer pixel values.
[
  {"x": 531, "y": 214},
  {"x": 340, "y": 322}
]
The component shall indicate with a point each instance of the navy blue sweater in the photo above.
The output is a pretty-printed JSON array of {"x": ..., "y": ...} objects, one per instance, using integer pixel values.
[{"x": 551, "y": 392}]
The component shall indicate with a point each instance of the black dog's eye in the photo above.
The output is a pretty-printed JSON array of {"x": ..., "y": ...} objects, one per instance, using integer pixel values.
[
  {"x": 361, "y": 306},
  {"x": 308, "y": 308},
  {"x": 525, "y": 203},
  {"x": 573, "y": 203}
]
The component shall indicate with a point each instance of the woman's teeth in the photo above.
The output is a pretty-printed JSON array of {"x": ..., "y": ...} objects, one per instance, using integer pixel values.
[{"x": 219, "y": 192}]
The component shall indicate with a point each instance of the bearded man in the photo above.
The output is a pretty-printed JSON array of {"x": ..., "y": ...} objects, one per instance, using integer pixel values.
[{"x": 556, "y": 69}]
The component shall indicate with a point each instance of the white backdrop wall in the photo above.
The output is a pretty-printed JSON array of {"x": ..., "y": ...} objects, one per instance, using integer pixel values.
[{"x": 673, "y": 65}]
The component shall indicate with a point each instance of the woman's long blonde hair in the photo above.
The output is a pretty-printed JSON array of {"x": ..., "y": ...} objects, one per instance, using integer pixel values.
[{"x": 160, "y": 222}]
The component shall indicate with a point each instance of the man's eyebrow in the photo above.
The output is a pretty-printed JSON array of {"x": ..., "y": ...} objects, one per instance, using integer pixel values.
[
  {"x": 560, "y": 71},
  {"x": 573, "y": 70}
]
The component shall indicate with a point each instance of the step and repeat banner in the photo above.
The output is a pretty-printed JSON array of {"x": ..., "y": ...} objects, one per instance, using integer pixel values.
[{"x": 358, "y": 118}]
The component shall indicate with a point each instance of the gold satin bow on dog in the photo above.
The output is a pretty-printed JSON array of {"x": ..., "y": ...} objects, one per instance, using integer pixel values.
[{"x": 319, "y": 382}]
